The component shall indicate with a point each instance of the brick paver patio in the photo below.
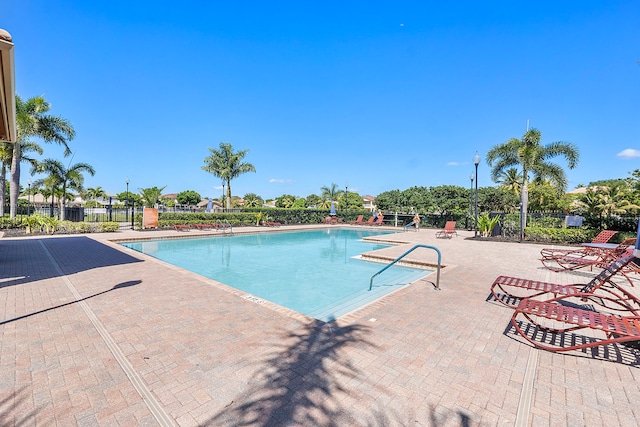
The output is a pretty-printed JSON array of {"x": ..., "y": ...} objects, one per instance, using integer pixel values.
[{"x": 96, "y": 334}]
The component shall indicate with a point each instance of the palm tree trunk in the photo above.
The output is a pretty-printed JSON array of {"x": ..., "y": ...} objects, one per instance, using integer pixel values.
[
  {"x": 228, "y": 194},
  {"x": 63, "y": 202},
  {"x": 14, "y": 185},
  {"x": 3, "y": 188},
  {"x": 524, "y": 200}
]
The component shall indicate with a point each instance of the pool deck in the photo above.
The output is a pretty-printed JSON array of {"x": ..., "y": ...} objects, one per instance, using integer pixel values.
[{"x": 96, "y": 334}]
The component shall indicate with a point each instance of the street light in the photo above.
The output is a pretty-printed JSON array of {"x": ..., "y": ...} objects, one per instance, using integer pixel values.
[
  {"x": 29, "y": 199},
  {"x": 346, "y": 195},
  {"x": 126, "y": 203},
  {"x": 472, "y": 177},
  {"x": 476, "y": 161}
]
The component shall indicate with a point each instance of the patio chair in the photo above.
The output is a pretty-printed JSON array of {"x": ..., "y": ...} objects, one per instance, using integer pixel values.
[
  {"x": 376, "y": 220},
  {"x": 603, "y": 237},
  {"x": 358, "y": 221},
  {"x": 567, "y": 318},
  {"x": 448, "y": 231},
  {"x": 182, "y": 227},
  {"x": 597, "y": 258},
  {"x": 510, "y": 290}
]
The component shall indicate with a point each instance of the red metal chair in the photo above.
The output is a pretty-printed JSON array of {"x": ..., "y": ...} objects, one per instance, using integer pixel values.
[
  {"x": 551, "y": 253},
  {"x": 510, "y": 290},
  {"x": 560, "y": 319},
  {"x": 597, "y": 258},
  {"x": 448, "y": 231}
]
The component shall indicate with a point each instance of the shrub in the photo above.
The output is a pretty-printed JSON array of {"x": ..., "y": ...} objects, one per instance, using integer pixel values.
[
  {"x": 108, "y": 227},
  {"x": 486, "y": 224},
  {"x": 558, "y": 235}
]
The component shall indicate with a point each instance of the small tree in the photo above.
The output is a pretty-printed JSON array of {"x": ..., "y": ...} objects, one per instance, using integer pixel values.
[
  {"x": 151, "y": 196},
  {"x": 252, "y": 200},
  {"x": 188, "y": 197}
]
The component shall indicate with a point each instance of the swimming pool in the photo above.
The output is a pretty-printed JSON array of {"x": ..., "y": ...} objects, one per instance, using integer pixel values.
[{"x": 316, "y": 272}]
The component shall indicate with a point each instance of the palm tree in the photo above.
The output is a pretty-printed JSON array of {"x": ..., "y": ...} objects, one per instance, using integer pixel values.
[
  {"x": 329, "y": 195},
  {"x": 252, "y": 200},
  {"x": 227, "y": 165},
  {"x": 511, "y": 180},
  {"x": 6, "y": 155},
  {"x": 66, "y": 178},
  {"x": 532, "y": 157},
  {"x": 32, "y": 121},
  {"x": 95, "y": 193},
  {"x": 151, "y": 196}
]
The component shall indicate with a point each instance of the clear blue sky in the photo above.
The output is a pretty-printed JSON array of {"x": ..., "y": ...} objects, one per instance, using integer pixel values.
[{"x": 380, "y": 95}]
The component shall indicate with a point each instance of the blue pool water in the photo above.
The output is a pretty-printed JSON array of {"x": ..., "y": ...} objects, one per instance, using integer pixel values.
[{"x": 314, "y": 272}]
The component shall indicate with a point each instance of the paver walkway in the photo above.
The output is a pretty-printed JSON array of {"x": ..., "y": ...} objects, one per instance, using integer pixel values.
[{"x": 95, "y": 334}]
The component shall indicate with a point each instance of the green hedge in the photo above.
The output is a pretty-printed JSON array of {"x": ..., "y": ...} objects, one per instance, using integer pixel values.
[
  {"x": 248, "y": 217},
  {"x": 558, "y": 235}
]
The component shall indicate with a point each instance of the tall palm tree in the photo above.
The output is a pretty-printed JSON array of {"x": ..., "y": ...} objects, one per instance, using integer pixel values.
[
  {"x": 227, "y": 165},
  {"x": 533, "y": 159},
  {"x": 67, "y": 178},
  {"x": 6, "y": 155},
  {"x": 329, "y": 194},
  {"x": 33, "y": 122}
]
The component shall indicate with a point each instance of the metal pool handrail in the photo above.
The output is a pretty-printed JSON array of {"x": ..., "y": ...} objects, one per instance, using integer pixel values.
[{"x": 407, "y": 253}]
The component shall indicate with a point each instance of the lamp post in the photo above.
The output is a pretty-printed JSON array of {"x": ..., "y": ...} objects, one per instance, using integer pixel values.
[
  {"x": 29, "y": 199},
  {"x": 126, "y": 203},
  {"x": 476, "y": 161},
  {"x": 346, "y": 200},
  {"x": 472, "y": 177}
]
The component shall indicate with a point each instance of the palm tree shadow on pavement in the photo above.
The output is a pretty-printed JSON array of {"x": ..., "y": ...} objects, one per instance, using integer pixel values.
[
  {"x": 118, "y": 286},
  {"x": 298, "y": 382}
]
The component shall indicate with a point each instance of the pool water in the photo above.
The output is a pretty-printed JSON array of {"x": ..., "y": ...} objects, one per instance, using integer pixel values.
[{"x": 317, "y": 272}]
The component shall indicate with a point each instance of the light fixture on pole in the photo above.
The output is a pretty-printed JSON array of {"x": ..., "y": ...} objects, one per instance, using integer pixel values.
[
  {"x": 346, "y": 201},
  {"x": 29, "y": 199},
  {"x": 126, "y": 203},
  {"x": 472, "y": 177},
  {"x": 476, "y": 161}
]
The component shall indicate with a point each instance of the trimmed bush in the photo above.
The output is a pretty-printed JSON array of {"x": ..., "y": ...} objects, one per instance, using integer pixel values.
[{"x": 571, "y": 236}]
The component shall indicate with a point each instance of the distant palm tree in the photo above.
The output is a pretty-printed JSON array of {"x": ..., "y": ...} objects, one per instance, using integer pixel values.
[
  {"x": 329, "y": 195},
  {"x": 95, "y": 193},
  {"x": 511, "y": 179},
  {"x": 532, "y": 158},
  {"x": 32, "y": 121},
  {"x": 151, "y": 196},
  {"x": 66, "y": 178},
  {"x": 227, "y": 165},
  {"x": 252, "y": 200}
]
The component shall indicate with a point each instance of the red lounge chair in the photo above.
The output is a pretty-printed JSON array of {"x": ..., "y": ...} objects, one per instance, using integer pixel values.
[
  {"x": 376, "y": 220},
  {"x": 357, "y": 221},
  {"x": 566, "y": 319},
  {"x": 448, "y": 231},
  {"x": 370, "y": 221},
  {"x": 510, "y": 290},
  {"x": 182, "y": 227},
  {"x": 603, "y": 237},
  {"x": 271, "y": 224},
  {"x": 204, "y": 226},
  {"x": 598, "y": 258}
]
